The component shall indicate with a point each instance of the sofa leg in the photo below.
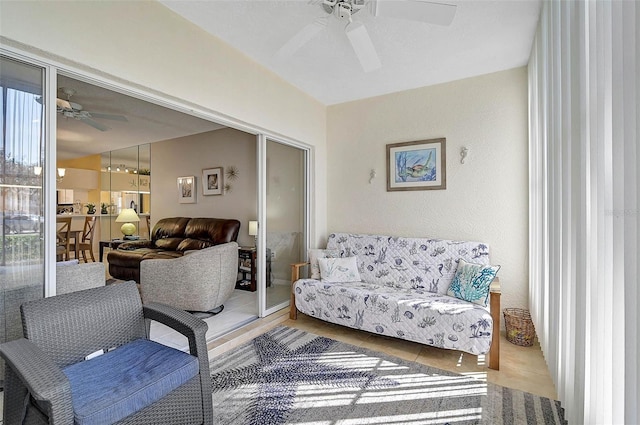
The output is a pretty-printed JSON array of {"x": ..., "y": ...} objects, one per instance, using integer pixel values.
[
  {"x": 293, "y": 311},
  {"x": 494, "y": 353}
]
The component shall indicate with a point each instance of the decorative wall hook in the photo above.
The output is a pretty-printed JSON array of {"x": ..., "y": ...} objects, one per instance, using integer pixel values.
[
  {"x": 463, "y": 154},
  {"x": 372, "y": 175}
]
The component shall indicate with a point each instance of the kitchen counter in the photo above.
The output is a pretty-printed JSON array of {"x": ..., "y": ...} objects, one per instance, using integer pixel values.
[{"x": 96, "y": 215}]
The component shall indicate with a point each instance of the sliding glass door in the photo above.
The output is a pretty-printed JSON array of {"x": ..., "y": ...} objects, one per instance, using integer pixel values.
[
  {"x": 22, "y": 154},
  {"x": 286, "y": 222}
]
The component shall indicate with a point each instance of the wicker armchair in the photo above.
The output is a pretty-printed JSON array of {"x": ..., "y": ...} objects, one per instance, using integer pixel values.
[{"x": 61, "y": 331}]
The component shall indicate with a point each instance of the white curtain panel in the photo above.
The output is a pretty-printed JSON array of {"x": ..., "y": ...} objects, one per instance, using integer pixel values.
[{"x": 584, "y": 90}]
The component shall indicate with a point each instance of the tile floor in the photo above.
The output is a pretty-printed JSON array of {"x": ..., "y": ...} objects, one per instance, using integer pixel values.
[
  {"x": 522, "y": 368},
  {"x": 239, "y": 310}
]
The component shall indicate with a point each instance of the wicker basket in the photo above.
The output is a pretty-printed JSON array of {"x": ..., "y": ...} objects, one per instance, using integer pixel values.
[{"x": 520, "y": 330}]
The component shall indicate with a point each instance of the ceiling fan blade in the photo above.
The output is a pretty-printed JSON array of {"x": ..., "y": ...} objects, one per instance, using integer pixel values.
[
  {"x": 67, "y": 104},
  {"x": 363, "y": 46},
  {"x": 108, "y": 116},
  {"x": 415, "y": 10},
  {"x": 301, "y": 38},
  {"x": 94, "y": 124},
  {"x": 64, "y": 104}
]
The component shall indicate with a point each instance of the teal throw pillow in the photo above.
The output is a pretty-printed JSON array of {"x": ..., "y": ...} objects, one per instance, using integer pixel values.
[{"x": 472, "y": 282}]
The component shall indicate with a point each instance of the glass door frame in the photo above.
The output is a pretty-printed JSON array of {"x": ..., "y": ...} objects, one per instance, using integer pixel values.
[
  {"x": 51, "y": 70},
  {"x": 261, "y": 254},
  {"x": 49, "y": 165}
]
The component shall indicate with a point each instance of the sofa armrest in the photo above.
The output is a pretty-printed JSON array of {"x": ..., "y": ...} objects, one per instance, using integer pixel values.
[
  {"x": 494, "y": 307},
  {"x": 29, "y": 369},
  {"x": 295, "y": 271},
  {"x": 131, "y": 245},
  {"x": 295, "y": 275},
  {"x": 495, "y": 285}
]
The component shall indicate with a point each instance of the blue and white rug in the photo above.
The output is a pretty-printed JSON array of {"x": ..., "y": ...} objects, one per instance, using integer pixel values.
[{"x": 288, "y": 376}]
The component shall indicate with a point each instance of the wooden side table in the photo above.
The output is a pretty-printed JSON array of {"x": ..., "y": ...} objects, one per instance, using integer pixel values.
[
  {"x": 112, "y": 244},
  {"x": 247, "y": 268}
]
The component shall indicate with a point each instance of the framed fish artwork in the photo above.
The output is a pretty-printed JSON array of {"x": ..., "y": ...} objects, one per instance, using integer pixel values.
[{"x": 419, "y": 165}]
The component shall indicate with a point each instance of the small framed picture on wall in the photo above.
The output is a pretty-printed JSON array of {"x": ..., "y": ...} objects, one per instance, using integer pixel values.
[
  {"x": 212, "y": 181},
  {"x": 419, "y": 165},
  {"x": 187, "y": 190}
]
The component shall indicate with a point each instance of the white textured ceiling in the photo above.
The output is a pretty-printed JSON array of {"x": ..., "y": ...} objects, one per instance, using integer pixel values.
[
  {"x": 146, "y": 122},
  {"x": 485, "y": 36}
]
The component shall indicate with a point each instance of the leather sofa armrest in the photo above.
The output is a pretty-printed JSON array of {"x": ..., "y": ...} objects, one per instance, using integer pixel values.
[{"x": 131, "y": 245}]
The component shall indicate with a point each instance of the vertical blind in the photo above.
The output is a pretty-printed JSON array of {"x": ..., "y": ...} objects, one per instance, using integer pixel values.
[{"x": 584, "y": 94}]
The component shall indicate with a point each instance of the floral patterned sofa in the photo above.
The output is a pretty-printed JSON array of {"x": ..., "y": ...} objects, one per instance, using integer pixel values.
[{"x": 401, "y": 291}]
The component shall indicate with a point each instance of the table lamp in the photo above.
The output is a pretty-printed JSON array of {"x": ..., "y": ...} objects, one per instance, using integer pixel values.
[
  {"x": 253, "y": 231},
  {"x": 128, "y": 216}
]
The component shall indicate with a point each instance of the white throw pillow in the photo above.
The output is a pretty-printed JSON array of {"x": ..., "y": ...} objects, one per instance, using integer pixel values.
[
  {"x": 314, "y": 255},
  {"x": 339, "y": 269}
]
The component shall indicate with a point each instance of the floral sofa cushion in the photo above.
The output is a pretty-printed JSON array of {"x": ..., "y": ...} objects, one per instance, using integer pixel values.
[
  {"x": 403, "y": 292},
  {"x": 411, "y": 314}
]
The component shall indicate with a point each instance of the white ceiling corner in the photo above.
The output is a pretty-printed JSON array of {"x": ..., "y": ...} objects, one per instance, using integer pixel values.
[{"x": 485, "y": 36}]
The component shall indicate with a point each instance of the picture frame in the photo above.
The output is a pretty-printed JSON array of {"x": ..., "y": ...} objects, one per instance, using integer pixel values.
[
  {"x": 419, "y": 165},
  {"x": 212, "y": 183},
  {"x": 187, "y": 190}
]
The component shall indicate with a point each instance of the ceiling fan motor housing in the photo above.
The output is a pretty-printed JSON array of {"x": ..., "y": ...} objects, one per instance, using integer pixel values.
[{"x": 343, "y": 9}]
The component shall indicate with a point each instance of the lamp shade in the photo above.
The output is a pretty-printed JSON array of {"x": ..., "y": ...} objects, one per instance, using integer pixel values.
[
  {"x": 253, "y": 228},
  {"x": 128, "y": 216}
]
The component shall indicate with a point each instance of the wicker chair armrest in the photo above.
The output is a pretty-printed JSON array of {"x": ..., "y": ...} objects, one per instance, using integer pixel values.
[
  {"x": 41, "y": 377},
  {"x": 187, "y": 324},
  {"x": 195, "y": 330}
]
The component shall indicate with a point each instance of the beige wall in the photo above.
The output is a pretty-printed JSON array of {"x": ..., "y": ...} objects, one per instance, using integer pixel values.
[
  {"x": 486, "y": 198},
  {"x": 147, "y": 45},
  {"x": 143, "y": 43},
  {"x": 188, "y": 156}
]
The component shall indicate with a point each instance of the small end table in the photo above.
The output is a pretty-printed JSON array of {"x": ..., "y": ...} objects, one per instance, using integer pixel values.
[
  {"x": 112, "y": 244},
  {"x": 248, "y": 268}
]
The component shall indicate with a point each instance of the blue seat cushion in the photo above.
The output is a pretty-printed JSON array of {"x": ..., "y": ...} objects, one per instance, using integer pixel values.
[{"x": 120, "y": 382}]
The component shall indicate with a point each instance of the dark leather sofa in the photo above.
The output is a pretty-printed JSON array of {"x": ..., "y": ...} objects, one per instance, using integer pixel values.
[{"x": 171, "y": 238}]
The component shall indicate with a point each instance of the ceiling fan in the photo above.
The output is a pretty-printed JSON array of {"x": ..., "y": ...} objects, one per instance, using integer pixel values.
[
  {"x": 70, "y": 109},
  {"x": 345, "y": 10}
]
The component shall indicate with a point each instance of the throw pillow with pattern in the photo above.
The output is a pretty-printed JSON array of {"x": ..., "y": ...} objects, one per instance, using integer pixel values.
[
  {"x": 314, "y": 255},
  {"x": 339, "y": 269},
  {"x": 472, "y": 282}
]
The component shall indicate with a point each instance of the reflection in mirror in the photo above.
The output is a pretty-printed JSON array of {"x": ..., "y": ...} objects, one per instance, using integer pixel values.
[
  {"x": 126, "y": 183},
  {"x": 285, "y": 217}
]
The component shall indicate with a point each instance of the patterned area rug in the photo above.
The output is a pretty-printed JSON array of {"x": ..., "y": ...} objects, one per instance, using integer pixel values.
[{"x": 288, "y": 376}]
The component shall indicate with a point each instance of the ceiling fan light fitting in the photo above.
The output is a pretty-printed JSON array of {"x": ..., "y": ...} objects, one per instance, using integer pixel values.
[{"x": 343, "y": 10}]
